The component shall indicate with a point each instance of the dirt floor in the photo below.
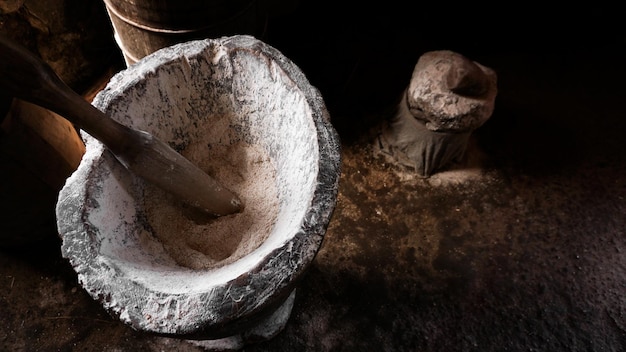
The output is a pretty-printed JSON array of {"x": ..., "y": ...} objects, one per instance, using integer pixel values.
[{"x": 522, "y": 247}]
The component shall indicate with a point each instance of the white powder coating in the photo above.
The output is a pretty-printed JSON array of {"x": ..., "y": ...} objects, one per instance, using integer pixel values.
[
  {"x": 209, "y": 242},
  {"x": 247, "y": 116},
  {"x": 433, "y": 101}
]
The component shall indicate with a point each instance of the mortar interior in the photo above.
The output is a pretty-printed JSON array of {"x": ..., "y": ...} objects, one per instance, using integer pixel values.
[{"x": 208, "y": 97}]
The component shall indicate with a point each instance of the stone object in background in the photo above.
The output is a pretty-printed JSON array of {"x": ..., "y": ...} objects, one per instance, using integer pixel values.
[{"x": 448, "y": 97}]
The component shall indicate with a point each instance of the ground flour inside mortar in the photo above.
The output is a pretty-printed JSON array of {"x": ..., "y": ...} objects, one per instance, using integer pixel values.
[{"x": 198, "y": 241}]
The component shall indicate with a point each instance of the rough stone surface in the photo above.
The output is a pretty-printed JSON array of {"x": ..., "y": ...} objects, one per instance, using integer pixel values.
[
  {"x": 450, "y": 93},
  {"x": 214, "y": 92},
  {"x": 448, "y": 97}
]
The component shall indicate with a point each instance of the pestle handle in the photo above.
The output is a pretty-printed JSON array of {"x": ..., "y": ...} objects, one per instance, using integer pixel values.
[{"x": 27, "y": 77}]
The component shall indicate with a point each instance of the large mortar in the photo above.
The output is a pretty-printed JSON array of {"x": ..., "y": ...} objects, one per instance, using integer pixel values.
[{"x": 247, "y": 115}]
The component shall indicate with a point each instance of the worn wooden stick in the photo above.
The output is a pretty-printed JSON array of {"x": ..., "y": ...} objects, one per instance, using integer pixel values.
[{"x": 27, "y": 77}]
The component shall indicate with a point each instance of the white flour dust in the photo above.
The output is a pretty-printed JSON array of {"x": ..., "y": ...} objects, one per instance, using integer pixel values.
[{"x": 197, "y": 241}]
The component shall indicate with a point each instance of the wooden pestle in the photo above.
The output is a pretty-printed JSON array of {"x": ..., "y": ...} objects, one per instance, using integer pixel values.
[{"x": 27, "y": 77}]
